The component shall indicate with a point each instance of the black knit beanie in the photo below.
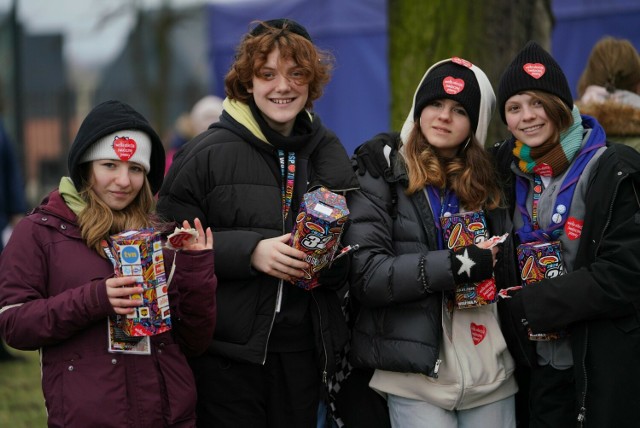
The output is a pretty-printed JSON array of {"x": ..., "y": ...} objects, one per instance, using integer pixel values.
[
  {"x": 533, "y": 69},
  {"x": 452, "y": 81},
  {"x": 107, "y": 118},
  {"x": 281, "y": 24}
]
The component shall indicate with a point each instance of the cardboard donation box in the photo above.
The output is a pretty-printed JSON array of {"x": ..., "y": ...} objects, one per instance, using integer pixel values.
[
  {"x": 461, "y": 230},
  {"x": 537, "y": 261},
  {"x": 139, "y": 253},
  {"x": 317, "y": 231}
]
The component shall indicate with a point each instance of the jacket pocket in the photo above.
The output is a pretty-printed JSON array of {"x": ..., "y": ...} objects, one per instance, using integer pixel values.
[
  {"x": 88, "y": 384},
  {"x": 179, "y": 400}
]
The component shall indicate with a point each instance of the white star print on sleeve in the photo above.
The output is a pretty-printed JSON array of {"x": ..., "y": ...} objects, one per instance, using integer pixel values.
[{"x": 467, "y": 263}]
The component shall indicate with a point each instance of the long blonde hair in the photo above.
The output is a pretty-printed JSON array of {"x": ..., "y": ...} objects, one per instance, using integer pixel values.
[
  {"x": 470, "y": 174},
  {"x": 97, "y": 221}
]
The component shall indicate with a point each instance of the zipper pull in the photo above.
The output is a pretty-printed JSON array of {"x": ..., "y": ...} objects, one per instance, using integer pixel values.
[
  {"x": 436, "y": 368},
  {"x": 324, "y": 377},
  {"x": 581, "y": 415}
]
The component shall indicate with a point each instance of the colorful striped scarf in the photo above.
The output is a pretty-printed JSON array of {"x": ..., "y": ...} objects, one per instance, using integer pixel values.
[{"x": 551, "y": 159}]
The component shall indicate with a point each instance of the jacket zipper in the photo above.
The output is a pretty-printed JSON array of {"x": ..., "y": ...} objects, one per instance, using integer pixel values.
[
  {"x": 324, "y": 346},
  {"x": 583, "y": 409},
  {"x": 276, "y": 309}
]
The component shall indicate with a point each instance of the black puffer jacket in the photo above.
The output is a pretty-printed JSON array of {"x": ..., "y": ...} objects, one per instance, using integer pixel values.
[
  {"x": 231, "y": 180},
  {"x": 599, "y": 301},
  {"x": 399, "y": 285}
]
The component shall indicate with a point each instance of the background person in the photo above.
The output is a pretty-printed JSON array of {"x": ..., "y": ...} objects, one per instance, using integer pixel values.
[{"x": 609, "y": 89}]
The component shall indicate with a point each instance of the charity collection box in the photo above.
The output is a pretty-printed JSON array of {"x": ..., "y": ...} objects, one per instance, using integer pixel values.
[
  {"x": 138, "y": 253},
  {"x": 538, "y": 261},
  {"x": 461, "y": 230},
  {"x": 317, "y": 231}
]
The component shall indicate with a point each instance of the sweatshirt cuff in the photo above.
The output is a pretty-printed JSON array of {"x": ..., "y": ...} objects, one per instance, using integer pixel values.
[{"x": 471, "y": 264}]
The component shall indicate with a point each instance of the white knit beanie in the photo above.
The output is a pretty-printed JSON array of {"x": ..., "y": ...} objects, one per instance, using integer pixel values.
[{"x": 128, "y": 145}]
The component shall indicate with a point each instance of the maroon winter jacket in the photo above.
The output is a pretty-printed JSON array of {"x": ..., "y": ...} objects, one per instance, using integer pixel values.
[{"x": 53, "y": 298}]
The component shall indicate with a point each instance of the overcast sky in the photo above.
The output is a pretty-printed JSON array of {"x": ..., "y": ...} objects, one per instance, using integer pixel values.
[{"x": 94, "y": 30}]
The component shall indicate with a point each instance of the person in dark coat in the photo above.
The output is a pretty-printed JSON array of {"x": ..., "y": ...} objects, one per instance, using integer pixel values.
[
  {"x": 275, "y": 343},
  {"x": 58, "y": 292},
  {"x": 435, "y": 361},
  {"x": 569, "y": 188}
]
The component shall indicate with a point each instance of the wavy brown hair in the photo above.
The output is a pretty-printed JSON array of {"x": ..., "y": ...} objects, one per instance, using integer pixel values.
[
  {"x": 97, "y": 221},
  {"x": 470, "y": 174},
  {"x": 315, "y": 64}
]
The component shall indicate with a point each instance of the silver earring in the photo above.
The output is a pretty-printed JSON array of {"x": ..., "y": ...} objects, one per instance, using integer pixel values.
[{"x": 466, "y": 144}]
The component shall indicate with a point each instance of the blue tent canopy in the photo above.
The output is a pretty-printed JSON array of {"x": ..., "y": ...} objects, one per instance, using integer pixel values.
[
  {"x": 581, "y": 23},
  {"x": 356, "y": 102}
]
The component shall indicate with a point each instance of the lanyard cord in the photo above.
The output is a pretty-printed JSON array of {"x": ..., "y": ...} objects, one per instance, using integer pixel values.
[{"x": 288, "y": 172}]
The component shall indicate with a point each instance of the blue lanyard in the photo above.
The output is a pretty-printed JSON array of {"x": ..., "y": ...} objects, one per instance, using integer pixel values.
[
  {"x": 443, "y": 202},
  {"x": 531, "y": 230}
]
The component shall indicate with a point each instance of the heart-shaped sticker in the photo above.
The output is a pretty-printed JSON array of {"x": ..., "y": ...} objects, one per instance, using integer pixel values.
[
  {"x": 487, "y": 289},
  {"x": 478, "y": 332},
  {"x": 452, "y": 85},
  {"x": 461, "y": 61},
  {"x": 573, "y": 228},
  {"x": 535, "y": 70},
  {"x": 124, "y": 147}
]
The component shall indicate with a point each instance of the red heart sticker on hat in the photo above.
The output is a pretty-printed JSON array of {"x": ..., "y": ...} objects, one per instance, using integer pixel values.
[
  {"x": 452, "y": 85},
  {"x": 535, "y": 70},
  {"x": 478, "y": 332},
  {"x": 124, "y": 147},
  {"x": 461, "y": 61}
]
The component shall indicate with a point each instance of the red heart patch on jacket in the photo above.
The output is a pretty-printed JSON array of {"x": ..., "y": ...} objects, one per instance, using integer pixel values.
[
  {"x": 478, "y": 332},
  {"x": 452, "y": 85},
  {"x": 124, "y": 147},
  {"x": 535, "y": 70}
]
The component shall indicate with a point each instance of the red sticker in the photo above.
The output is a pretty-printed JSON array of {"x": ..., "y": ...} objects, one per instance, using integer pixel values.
[
  {"x": 478, "y": 332},
  {"x": 124, "y": 147},
  {"x": 487, "y": 289},
  {"x": 452, "y": 85},
  {"x": 535, "y": 70},
  {"x": 462, "y": 62},
  {"x": 544, "y": 169},
  {"x": 573, "y": 228}
]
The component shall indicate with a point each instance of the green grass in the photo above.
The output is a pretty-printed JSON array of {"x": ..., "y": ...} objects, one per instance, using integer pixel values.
[{"x": 21, "y": 401}]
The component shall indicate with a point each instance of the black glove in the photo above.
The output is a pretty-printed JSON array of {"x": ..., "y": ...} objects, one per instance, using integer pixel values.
[
  {"x": 471, "y": 264},
  {"x": 515, "y": 305},
  {"x": 336, "y": 275},
  {"x": 370, "y": 156}
]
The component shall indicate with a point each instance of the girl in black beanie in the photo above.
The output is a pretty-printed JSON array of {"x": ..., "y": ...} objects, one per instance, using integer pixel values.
[
  {"x": 58, "y": 292},
  {"x": 573, "y": 328}
]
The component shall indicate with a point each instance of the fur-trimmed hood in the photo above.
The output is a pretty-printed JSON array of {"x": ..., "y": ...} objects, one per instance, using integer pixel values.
[{"x": 617, "y": 119}]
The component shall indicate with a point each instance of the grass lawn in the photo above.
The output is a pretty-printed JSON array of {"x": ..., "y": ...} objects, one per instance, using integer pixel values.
[{"x": 21, "y": 402}]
